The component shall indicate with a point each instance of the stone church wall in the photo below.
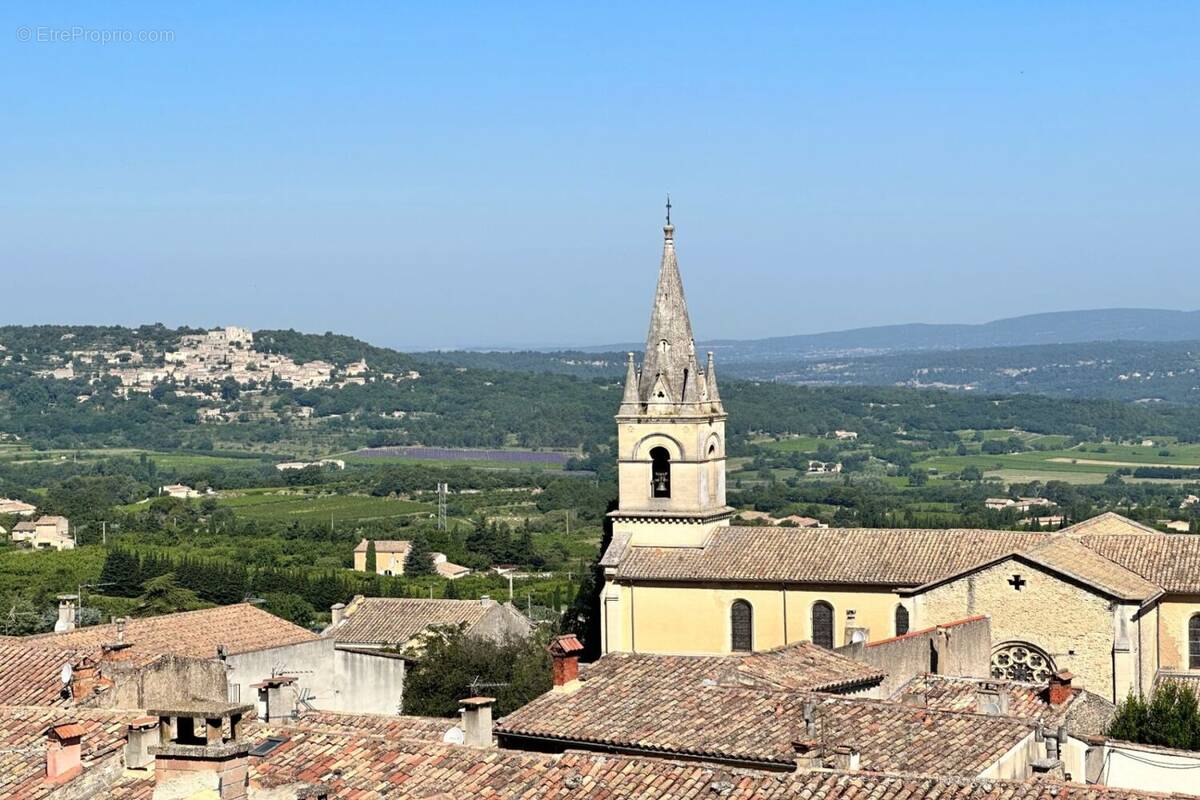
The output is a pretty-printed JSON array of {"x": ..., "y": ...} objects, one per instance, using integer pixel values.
[
  {"x": 963, "y": 649},
  {"x": 1072, "y": 624}
]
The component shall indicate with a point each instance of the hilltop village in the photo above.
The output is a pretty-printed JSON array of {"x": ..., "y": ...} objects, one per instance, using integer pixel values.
[{"x": 732, "y": 661}]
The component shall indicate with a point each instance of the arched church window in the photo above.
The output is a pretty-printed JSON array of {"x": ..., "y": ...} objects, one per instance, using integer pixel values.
[
  {"x": 901, "y": 620},
  {"x": 1021, "y": 662},
  {"x": 741, "y": 624},
  {"x": 660, "y": 472},
  {"x": 822, "y": 624},
  {"x": 1194, "y": 642}
]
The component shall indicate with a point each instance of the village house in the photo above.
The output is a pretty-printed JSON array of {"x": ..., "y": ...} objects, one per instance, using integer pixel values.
[
  {"x": 390, "y": 555},
  {"x": 1108, "y": 599},
  {"x": 17, "y": 507},
  {"x": 401, "y": 622},
  {"x": 179, "y": 491},
  {"x": 46, "y": 533}
]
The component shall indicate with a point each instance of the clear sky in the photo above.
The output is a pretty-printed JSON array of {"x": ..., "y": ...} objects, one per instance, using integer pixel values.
[{"x": 449, "y": 174}]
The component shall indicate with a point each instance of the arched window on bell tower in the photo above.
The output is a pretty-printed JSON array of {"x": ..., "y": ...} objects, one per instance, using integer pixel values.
[{"x": 660, "y": 472}]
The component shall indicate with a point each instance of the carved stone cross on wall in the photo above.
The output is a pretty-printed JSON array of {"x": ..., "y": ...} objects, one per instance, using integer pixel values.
[{"x": 1016, "y": 581}]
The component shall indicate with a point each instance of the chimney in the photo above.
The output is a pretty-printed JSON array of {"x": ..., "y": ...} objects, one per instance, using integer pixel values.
[
  {"x": 142, "y": 734},
  {"x": 565, "y": 650},
  {"x": 915, "y": 698},
  {"x": 85, "y": 679},
  {"x": 187, "y": 764},
  {"x": 63, "y": 753},
  {"x": 991, "y": 698},
  {"x": 1060, "y": 687},
  {"x": 477, "y": 721},
  {"x": 337, "y": 613},
  {"x": 118, "y": 649},
  {"x": 810, "y": 719},
  {"x": 846, "y": 757},
  {"x": 66, "y": 613},
  {"x": 1048, "y": 769},
  {"x": 273, "y": 704}
]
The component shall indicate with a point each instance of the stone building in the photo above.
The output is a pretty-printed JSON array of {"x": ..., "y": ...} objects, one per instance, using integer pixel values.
[{"x": 1110, "y": 600}]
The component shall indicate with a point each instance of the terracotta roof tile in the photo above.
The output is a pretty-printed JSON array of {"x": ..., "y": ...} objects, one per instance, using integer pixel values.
[
  {"x": 31, "y": 675},
  {"x": 1171, "y": 560},
  {"x": 750, "y": 709},
  {"x": 894, "y": 557},
  {"x": 395, "y": 620},
  {"x": 23, "y": 744},
  {"x": 240, "y": 628}
]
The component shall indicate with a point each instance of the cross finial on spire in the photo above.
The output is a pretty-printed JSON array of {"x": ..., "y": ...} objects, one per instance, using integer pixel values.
[{"x": 668, "y": 208}]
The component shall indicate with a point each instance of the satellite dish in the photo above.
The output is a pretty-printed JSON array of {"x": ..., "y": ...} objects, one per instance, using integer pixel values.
[
  {"x": 66, "y": 673},
  {"x": 454, "y": 736}
]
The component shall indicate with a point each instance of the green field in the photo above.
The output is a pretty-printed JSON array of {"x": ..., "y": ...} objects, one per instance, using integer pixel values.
[
  {"x": 22, "y": 454},
  {"x": 437, "y": 462},
  {"x": 279, "y": 504},
  {"x": 1086, "y": 463}
]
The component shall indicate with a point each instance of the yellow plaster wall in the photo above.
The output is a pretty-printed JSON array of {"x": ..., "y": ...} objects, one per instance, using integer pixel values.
[
  {"x": 694, "y": 618},
  {"x": 383, "y": 562},
  {"x": 1054, "y": 615},
  {"x": 1174, "y": 612}
]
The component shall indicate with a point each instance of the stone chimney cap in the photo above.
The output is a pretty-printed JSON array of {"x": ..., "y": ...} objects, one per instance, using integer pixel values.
[
  {"x": 62, "y": 598},
  {"x": 200, "y": 709},
  {"x": 477, "y": 702},
  {"x": 143, "y": 723},
  {"x": 565, "y": 645},
  {"x": 70, "y": 730},
  {"x": 1063, "y": 676},
  {"x": 275, "y": 682}
]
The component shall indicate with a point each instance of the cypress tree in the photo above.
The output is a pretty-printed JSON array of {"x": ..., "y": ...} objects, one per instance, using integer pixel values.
[
  {"x": 420, "y": 558},
  {"x": 371, "y": 559}
]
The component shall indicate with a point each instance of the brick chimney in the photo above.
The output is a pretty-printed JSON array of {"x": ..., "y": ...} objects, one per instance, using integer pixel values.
[
  {"x": 273, "y": 703},
  {"x": 477, "y": 721},
  {"x": 141, "y": 736},
  {"x": 86, "y": 679},
  {"x": 565, "y": 650},
  {"x": 64, "y": 752},
  {"x": 846, "y": 757},
  {"x": 1060, "y": 687},
  {"x": 187, "y": 764},
  {"x": 66, "y": 613}
]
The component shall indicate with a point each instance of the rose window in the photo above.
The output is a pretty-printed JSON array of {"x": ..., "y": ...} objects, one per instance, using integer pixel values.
[{"x": 1021, "y": 662}]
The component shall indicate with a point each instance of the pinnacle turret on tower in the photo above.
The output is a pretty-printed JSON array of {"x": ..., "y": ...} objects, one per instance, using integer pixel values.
[{"x": 670, "y": 380}]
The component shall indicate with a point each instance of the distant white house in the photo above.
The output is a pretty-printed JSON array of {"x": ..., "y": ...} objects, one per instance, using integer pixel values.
[
  {"x": 179, "y": 490},
  {"x": 448, "y": 570},
  {"x": 324, "y": 462},
  {"x": 845, "y": 435},
  {"x": 16, "y": 507}
]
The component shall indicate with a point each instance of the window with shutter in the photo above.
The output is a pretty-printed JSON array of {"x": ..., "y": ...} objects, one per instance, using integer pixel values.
[
  {"x": 901, "y": 620},
  {"x": 741, "y": 617},
  {"x": 822, "y": 624},
  {"x": 1194, "y": 642}
]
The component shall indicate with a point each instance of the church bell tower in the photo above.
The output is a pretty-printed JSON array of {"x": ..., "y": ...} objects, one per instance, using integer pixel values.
[{"x": 670, "y": 427}]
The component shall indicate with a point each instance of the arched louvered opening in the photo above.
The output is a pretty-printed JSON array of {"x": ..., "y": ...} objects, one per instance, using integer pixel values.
[
  {"x": 822, "y": 624},
  {"x": 660, "y": 472},
  {"x": 901, "y": 620},
  {"x": 741, "y": 624}
]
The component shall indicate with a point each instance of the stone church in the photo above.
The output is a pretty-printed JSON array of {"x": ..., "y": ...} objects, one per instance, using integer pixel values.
[{"x": 1114, "y": 602}]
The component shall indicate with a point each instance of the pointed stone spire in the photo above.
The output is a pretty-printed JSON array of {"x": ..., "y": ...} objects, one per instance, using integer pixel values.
[
  {"x": 670, "y": 360},
  {"x": 710, "y": 375},
  {"x": 630, "y": 402}
]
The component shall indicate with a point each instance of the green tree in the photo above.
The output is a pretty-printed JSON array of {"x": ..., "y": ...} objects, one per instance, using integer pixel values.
[
  {"x": 371, "y": 557},
  {"x": 450, "y": 661},
  {"x": 121, "y": 575},
  {"x": 420, "y": 559},
  {"x": 1169, "y": 718},
  {"x": 163, "y": 595},
  {"x": 292, "y": 607}
]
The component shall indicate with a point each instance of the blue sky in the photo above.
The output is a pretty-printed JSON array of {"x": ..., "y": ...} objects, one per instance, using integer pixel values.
[{"x": 449, "y": 174}]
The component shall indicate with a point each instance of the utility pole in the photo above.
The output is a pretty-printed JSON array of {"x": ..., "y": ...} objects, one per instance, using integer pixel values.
[{"x": 442, "y": 489}]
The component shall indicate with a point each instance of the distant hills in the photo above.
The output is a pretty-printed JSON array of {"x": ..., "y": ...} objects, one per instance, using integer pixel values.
[{"x": 1057, "y": 327}]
